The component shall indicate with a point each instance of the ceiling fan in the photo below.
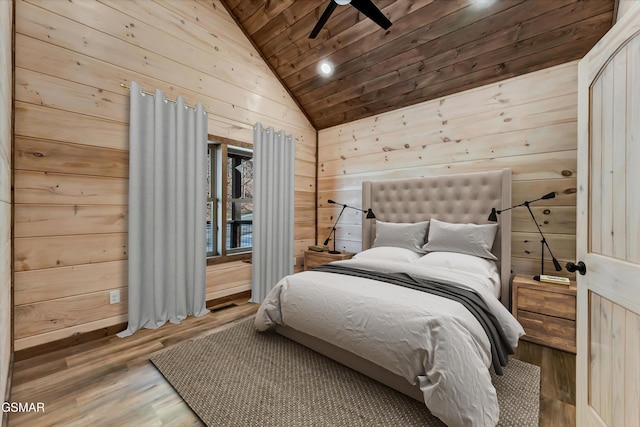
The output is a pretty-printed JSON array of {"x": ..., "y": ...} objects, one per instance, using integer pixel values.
[{"x": 365, "y": 6}]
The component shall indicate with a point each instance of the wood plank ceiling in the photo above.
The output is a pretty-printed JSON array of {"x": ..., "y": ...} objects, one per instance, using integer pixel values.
[{"x": 434, "y": 48}]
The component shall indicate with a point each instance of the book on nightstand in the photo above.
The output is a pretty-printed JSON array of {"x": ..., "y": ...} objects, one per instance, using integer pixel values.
[{"x": 554, "y": 280}]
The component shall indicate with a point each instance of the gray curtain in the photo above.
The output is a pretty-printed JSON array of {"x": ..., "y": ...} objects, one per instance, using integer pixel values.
[
  {"x": 167, "y": 210},
  {"x": 273, "y": 192}
]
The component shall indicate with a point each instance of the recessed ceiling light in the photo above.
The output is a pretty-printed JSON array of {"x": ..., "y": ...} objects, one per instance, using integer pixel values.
[{"x": 325, "y": 68}]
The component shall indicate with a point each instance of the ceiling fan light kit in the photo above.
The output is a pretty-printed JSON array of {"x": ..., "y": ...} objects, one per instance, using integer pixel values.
[{"x": 366, "y": 7}]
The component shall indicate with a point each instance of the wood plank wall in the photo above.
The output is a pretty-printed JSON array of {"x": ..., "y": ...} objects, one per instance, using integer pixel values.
[
  {"x": 71, "y": 143},
  {"x": 6, "y": 66},
  {"x": 526, "y": 123}
]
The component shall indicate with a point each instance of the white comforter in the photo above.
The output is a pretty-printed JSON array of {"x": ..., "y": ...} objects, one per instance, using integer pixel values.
[{"x": 427, "y": 339}]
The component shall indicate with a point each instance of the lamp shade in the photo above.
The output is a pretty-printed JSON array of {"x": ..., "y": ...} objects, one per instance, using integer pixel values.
[{"x": 493, "y": 215}]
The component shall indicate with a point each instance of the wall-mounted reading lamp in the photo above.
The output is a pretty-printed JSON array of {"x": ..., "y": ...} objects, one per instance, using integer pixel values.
[
  {"x": 369, "y": 213},
  {"x": 543, "y": 242}
]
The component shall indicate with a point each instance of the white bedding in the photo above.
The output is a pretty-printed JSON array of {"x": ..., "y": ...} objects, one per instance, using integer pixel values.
[{"x": 427, "y": 339}]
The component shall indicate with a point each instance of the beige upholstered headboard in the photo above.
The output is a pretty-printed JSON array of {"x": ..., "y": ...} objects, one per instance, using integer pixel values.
[{"x": 457, "y": 198}]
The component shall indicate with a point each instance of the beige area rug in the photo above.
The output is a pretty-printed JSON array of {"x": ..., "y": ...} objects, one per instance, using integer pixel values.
[{"x": 240, "y": 377}]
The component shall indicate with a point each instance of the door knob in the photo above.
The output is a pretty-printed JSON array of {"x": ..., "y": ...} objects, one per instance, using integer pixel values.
[{"x": 580, "y": 267}]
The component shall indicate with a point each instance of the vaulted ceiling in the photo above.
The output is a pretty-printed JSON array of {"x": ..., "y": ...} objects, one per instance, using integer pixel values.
[{"x": 434, "y": 47}]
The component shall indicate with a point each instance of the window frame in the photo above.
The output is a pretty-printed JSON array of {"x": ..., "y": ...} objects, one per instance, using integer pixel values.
[{"x": 221, "y": 199}]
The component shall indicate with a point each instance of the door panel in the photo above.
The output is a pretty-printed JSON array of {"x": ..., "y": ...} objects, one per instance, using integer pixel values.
[
  {"x": 612, "y": 154},
  {"x": 614, "y": 345},
  {"x": 632, "y": 370},
  {"x": 633, "y": 152},
  {"x": 608, "y": 229}
]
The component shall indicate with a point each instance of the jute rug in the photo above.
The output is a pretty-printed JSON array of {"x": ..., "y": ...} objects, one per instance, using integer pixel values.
[{"x": 240, "y": 377}]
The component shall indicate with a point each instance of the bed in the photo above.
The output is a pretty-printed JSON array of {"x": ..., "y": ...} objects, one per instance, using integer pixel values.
[{"x": 426, "y": 346}]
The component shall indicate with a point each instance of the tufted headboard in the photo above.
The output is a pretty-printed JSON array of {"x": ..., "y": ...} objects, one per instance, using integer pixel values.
[{"x": 457, "y": 198}]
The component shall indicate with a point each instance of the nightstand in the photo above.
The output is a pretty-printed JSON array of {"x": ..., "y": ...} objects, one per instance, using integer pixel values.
[
  {"x": 546, "y": 311},
  {"x": 314, "y": 259}
]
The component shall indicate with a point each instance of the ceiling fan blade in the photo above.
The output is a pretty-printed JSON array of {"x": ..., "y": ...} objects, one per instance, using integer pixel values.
[
  {"x": 372, "y": 12},
  {"x": 323, "y": 19}
]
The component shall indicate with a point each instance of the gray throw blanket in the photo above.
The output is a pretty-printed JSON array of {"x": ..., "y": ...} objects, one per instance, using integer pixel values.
[{"x": 500, "y": 348}]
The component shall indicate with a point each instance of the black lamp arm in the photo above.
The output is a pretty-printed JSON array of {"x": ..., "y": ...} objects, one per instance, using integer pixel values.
[
  {"x": 526, "y": 203},
  {"x": 347, "y": 206},
  {"x": 556, "y": 264},
  {"x": 369, "y": 213},
  {"x": 333, "y": 229},
  {"x": 551, "y": 195}
]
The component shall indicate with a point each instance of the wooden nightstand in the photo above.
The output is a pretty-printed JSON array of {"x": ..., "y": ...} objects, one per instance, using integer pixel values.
[
  {"x": 314, "y": 259},
  {"x": 547, "y": 312}
]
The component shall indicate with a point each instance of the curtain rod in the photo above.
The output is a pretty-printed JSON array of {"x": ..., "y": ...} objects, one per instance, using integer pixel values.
[{"x": 126, "y": 86}]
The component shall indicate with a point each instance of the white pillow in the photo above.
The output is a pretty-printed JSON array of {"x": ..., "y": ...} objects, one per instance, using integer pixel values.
[
  {"x": 470, "y": 239},
  {"x": 388, "y": 253},
  {"x": 401, "y": 235},
  {"x": 462, "y": 262}
]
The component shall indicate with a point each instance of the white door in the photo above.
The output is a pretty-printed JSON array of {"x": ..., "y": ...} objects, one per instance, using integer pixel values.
[{"x": 608, "y": 242}]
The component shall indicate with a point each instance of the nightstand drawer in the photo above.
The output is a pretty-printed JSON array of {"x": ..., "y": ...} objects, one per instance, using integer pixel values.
[
  {"x": 549, "y": 330},
  {"x": 544, "y": 302},
  {"x": 313, "y": 259},
  {"x": 546, "y": 312},
  {"x": 316, "y": 260}
]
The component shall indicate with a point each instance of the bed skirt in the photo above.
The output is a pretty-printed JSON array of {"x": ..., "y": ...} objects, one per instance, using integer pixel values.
[{"x": 353, "y": 361}]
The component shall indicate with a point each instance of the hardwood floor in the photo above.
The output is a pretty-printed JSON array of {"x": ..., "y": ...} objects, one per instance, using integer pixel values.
[
  {"x": 111, "y": 382},
  {"x": 557, "y": 383}
]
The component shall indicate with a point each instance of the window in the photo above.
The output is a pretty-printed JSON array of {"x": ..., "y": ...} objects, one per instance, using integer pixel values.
[{"x": 229, "y": 199}]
